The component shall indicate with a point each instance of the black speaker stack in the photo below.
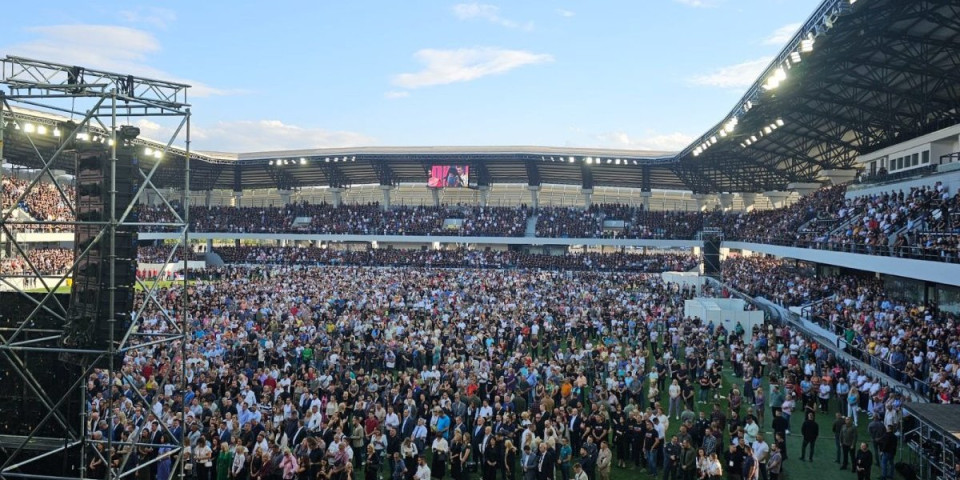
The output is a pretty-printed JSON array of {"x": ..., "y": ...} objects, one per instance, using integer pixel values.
[
  {"x": 87, "y": 325},
  {"x": 711, "y": 256}
]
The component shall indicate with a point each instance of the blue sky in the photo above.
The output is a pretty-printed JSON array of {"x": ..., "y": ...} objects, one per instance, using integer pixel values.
[{"x": 641, "y": 74}]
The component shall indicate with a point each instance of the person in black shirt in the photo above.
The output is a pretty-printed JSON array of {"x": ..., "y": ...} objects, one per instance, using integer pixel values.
[
  {"x": 733, "y": 461},
  {"x": 671, "y": 459},
  {"x": 810, "y": 430},
  {"x": 863, "y": 462}
]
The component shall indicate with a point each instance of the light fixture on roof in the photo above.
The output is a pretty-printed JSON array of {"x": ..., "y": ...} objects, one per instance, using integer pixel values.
[
  {"x": 83, "y": 136},
  {"x": 56, "y": 132},
  {"x": 158, "y": 154},
  {"x": 303, "y": 161},
  {"x": 588, "y": 160},
  {"x": 148, "y": 151},
  {"x": 609, "y": 161},
  {"x": 634, "y": 162},
  {"x": 618, "y": 161},
  {"x": 806, "y": 45},
  {"x": 723, "y": 133},
  {"x": 327, "y": 159},
  {"x": 795, "y": 57},
  {"x": 767, "y": 129},
  {"x": 29, "y": 128},
  {"x": 42, "y": 130},
  {"x": 779, "y": 122},
  {"x": 571, "y": 159},
  {"x": 353, "y": 159},
  {"x": 753, "y": 138}
]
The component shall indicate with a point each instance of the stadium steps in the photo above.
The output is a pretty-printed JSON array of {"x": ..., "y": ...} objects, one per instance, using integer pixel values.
[
  {"x": 531, "y": 230},
  {"x": 214, "y": 259}
]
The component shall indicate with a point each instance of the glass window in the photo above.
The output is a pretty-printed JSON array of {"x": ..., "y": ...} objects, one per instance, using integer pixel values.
[
  {"x": 916, "y": 159},
  {"x": 926, "y": 156}
]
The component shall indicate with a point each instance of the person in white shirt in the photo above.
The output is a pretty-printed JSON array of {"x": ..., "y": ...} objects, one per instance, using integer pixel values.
[{"x": 423, "y": 471}]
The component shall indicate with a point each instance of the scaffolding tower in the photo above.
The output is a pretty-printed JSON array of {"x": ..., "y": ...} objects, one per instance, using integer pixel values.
[{"x": 84, "y": 106}]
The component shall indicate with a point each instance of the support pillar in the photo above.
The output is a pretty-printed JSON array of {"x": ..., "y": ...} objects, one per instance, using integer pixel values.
[
  {"x": 237, "y": 199},
  {"x": 726, "y": 201},
  {"x": 587, "y": 197},
  {"x": 802, "y": 188},
  {"x": 484, "y": 194},
  {"x": 534, "y": 196},
  {"x": 778, "y": 198},
  {"x": 208, "y": 198},
  {"x": 209, "y": 245},
  {"x": 645, "y": 199},
  {"x": 435, "y": 193},
  {"x": 702, "y": 201},
  {"x": 839, "y": 176},
  {"x": 337, "y": 193},
  {"x": 285, "y": 196},
  {"x": 748, "y": 199},
  {"x": 386, "y": 196}
]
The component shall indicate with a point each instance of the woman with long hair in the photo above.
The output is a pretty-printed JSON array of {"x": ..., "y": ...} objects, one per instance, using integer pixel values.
[{"x": 509, "y": 460}]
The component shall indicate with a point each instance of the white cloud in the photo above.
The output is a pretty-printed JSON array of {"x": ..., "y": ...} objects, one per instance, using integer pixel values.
[
  {"x": 104, "y": 47},
  {"x": 153, "y": 16},
  {"x": 490, "y": 13},
  {"x": 565, "y": 13},
  {"x": 463, "y": 65},
  {"x": 733, "y": 76},
  {"x": 782, "y": 35},
  {"x": 697, "y": 3},
  {"x": 268, "y": 135},
  {"x": 664, "y": 142},
  {"x": 395, "y": 94}
]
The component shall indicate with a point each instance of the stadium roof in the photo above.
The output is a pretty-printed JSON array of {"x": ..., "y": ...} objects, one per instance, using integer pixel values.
[{"x": 858, "y": 76}]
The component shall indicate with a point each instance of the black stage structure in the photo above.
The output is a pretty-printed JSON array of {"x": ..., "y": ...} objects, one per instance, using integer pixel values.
[{"x": 931, "y": 433}]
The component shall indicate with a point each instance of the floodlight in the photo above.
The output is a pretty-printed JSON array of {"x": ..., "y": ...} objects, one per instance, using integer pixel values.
[
  {"x": 753, "y": 138},
  {"x": 41, "y": 130},
  {"x": 609, "y": 161},
  {"x": 779, "y": 122},
  {"x": 767, "y": 129},
  {"x": 713, "y": 139},
  {"x": 806, "y": 45},
  {"x": 353, "y": 159},
  {"x": 588, "y": 160},
  {"x": 148, "y": 151},
  {"x": 795, "y": 57},
  {"x": 83, "y": 136},
  {"x": 618, "y": 161},
  {"x": 158, "y": 154},
  {"x": 571, "y": 159},
  {"x": 56, "y": 132},
  {"x": 270, "y": 163},
  {"x": 29, "y": 128},
  {"x": 723, "y": 133}
]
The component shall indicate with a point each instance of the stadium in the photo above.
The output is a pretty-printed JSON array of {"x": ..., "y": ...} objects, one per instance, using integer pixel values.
[{"x": 778, "y": 299}]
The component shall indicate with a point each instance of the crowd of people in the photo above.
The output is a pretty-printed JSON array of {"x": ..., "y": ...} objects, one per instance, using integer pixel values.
[
  {"x": 459, "y": 258},
  {"x": 46, "y": 261},
  {"x": 43, "y": 203},
  {"x": 916, "y": 344},
  {"x": 161, "y": 253},
  {"x": 307, "y": 373}
]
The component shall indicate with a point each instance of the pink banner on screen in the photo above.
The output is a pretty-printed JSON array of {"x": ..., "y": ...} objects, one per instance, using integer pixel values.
[{"x": 442, "y": 176}]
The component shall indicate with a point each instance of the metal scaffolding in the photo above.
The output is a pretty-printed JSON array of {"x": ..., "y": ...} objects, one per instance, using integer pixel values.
[{"x": 85, "y": 106}]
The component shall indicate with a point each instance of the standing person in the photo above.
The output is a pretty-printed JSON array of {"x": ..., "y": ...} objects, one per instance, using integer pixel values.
[
  {"x": 671, "y": 459},
  {"x": 528, "y": 463},
  {"x": 836, "y": 428},
  {"x": 810, "y": 431},
  {"x": 863, "y": 462},
  {"x": 491, "y": 459},
  {"x": 566, "y": 455},
  {"x": 399, "y": 468},
  {"x": 774, "y": 463},
  {"x": 203, "y": 457},
  {"x": 371, "y": 465},
  {"x": 423, "y": 471},
  {"x": 761, "y": 452},
  {"x": 224, "y": 462},
  {"x": 509, "y": 460},
  {"x": 848, "y": 442},
  {"x": 876, "y": 430},
  {"x": 238, "y": 471},
  {"x": 688, "y": 461},
  {"x": 750, "y": 469},
  {"x": 546, "y": 463},
  {"x": 713, "y": 470},
  {"x": 888, "y": 448},
  {"x": 441, "y": 453},
  {"x": 604, "y": 461}
]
